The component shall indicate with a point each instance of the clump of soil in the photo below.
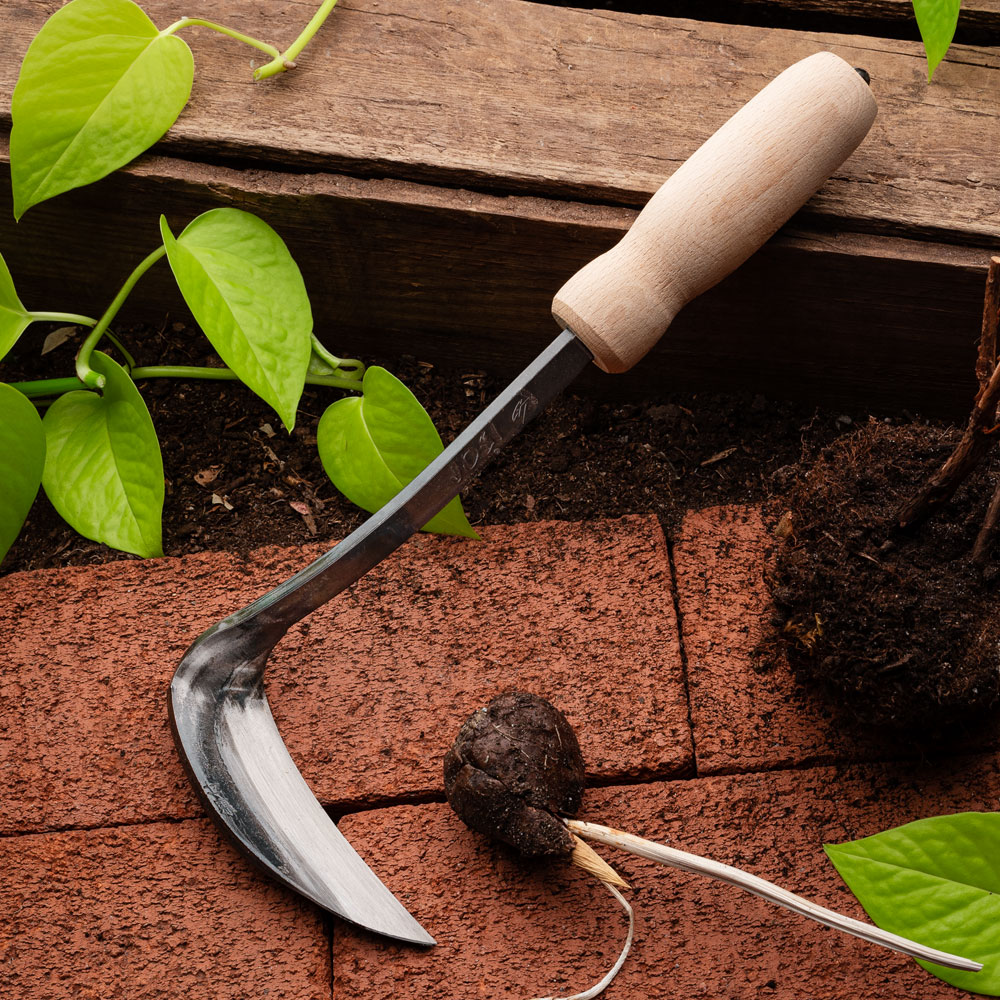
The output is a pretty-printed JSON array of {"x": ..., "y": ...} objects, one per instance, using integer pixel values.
[
  {"x": 902, "y": 628},
  {"x": 513, "y": 770}
]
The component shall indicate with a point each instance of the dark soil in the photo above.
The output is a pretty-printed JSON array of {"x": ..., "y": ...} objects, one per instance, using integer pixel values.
[
  {"x": 514, "y": 769},
  {"x": 236, "y": 480},
  {"x": 901, "y": 628}
]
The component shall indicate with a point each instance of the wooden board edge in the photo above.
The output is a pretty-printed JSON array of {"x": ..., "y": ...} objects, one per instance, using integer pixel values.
[{"x": 465, "y": 279}]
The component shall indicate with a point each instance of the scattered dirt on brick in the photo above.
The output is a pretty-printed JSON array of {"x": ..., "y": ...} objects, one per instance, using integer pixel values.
[{"x": 902, "y": 628}]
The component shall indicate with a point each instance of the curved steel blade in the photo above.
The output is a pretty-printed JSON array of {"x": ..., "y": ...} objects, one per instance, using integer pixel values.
[{"x": 219, "y": 713}]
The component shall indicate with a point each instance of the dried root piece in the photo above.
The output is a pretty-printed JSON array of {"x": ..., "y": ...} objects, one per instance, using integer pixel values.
[
  {"x": 673, "y": 858},
  {"x": 590, "y": 861},
  {"x": 982, "y": 430},
  {"x": 496, "y": 778}
]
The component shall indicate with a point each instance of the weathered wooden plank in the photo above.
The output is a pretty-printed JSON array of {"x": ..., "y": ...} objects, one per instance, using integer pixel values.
[
  {"x": 510, "y": 96},
  {"x": 466, "y": 279}
]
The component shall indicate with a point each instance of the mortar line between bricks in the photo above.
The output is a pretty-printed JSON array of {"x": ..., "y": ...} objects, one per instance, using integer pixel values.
[
  {"x": 337, "y": 811},
  {"x": 333, "y": 809},
  {"x": 650, "y": 778},
  {"x": 92, "y": 827},
  {"x": 791, "y": 767},
  {"x": 679, "y": 618},
  {"x": 810, "y": 763},
  {"x": 329, "y": 928}
]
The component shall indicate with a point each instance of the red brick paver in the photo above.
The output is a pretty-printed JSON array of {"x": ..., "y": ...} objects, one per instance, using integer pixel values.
[
  {"x": 162, "y": 910},
  {"x": 748, "y": 712},
  {"x": 368, "y": 693},
  {"x": 510, "y": 930}
]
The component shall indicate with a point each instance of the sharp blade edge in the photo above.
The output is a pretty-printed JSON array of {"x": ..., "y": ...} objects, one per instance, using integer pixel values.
[{"x": 220, "y": 716}]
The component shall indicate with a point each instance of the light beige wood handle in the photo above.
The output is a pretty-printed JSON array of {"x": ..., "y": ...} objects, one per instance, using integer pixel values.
[{"x": 723, "y": 203}]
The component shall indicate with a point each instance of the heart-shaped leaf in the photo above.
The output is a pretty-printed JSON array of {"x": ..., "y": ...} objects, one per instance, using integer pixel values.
[
  {"x": 373, "y": 445},
  {"x": 247, "y": 294},
  {"x": 98, "y": 85},
  {"x": 937, "y": 20},
  {"x": 103, "y": 470},
  {"x": 22, "y": 456},
  {"x": 936, "y": 881},
  {"x": 14, "y": 318}
]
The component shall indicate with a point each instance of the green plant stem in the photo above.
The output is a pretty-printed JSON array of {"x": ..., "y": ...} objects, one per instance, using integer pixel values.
[
  {"x": 77, "y": 320},
  {"x": 57, "y": 386},
  {"x": 225, "y": 374},
  {"x": 84, "y": 372},
  {"x": 41, "y": 387},
  {"x": 352, "y": 365},
  {"x": 50, "y": 317},
  {"x": 286, "y": 60},
  {"x": 129, "y": 360},
  {"x": 197, "y": 22}
]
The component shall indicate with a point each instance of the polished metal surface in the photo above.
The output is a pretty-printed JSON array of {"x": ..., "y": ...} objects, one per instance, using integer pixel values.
[{"x": 222, "y": 722}]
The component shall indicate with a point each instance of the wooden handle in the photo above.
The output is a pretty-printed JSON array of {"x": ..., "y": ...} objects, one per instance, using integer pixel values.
[{"x": 730, "y": 197}]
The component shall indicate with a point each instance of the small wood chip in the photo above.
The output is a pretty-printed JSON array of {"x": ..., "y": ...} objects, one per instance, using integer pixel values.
[
  {"x": 307, "y": 515},
  {"x": 719, "y": 456},
  {"x": 57, "y": 338},
  {"x": 585, "y": 857},
  {"x": 206, "y": 476},
  {"x": 784, "y": 528}
]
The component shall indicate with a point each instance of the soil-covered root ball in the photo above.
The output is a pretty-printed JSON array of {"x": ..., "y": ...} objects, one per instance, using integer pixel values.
[
  {"x": 514, "y": 769},
  {"x": 902, "y": 628}
]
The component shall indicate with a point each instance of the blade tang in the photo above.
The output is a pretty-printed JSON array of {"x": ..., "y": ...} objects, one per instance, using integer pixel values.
[{"x": 457, "y": 466}]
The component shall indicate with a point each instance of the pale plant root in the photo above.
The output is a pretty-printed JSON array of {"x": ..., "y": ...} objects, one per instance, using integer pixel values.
[{"x": 585, "y": 857}]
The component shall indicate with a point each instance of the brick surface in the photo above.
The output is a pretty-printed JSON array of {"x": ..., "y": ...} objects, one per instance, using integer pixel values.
[
  {"x": 368, "y": 693},
  {"x": 156, "y": 911},
  {"x": 507, "y": 929},
  {"x": 748, "y": 712}
]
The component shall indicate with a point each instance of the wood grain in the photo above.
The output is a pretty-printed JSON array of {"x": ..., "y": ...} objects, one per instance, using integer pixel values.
[
  {"x": 466, "y": 280},
  {"x": 509, "y": 96}
]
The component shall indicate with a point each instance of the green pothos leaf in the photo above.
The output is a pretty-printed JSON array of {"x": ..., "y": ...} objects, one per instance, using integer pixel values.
[
  {"x": 14, "y": 318},
  {"x": 936, "y": 881},
  {"x": 374, "y": 444},
  {"x": 103, "y": 470},
  {"x": 98, "y": 85},
  {"x": 937, "y": 20},
  {"x": 22, "y": 456},
  {"x": 247, "y": 294}
]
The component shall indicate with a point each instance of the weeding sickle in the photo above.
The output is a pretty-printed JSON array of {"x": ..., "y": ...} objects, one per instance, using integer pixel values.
[{"x": 713, "y": 213}]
